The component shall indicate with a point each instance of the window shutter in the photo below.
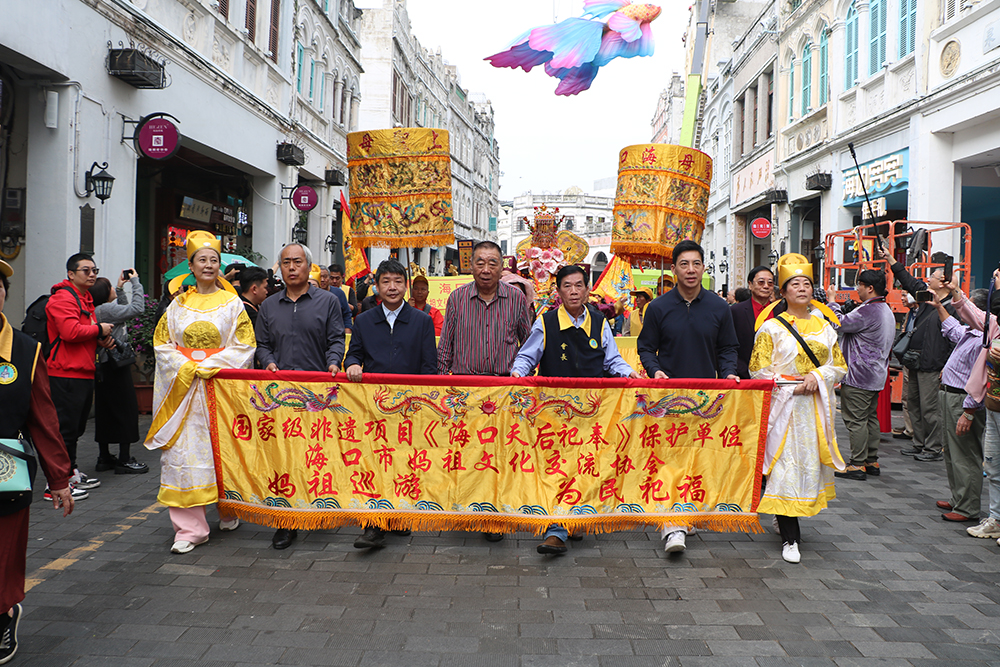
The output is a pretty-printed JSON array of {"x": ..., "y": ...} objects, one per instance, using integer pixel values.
[
  {"x": 950, "y": 9},
  {"x": 851, "y": 60},
  {"x": 883, "y": 19},
  {"x": 807, "y": 78},
  {"x": 251, "y": 24},
  {"x": 224, "y": 9},
  {"x": 791, "y": 91},
  {"x": 300, "y": 56},
  {"x": 272, "y": 41},
  {"x": 824, "y": 64}
]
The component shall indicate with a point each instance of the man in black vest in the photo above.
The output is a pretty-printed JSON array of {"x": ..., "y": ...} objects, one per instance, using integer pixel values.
[{"x": 574, "y": 340}]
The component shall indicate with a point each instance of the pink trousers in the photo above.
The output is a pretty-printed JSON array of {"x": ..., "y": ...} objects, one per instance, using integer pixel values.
[{"x": 190, "y": 524}]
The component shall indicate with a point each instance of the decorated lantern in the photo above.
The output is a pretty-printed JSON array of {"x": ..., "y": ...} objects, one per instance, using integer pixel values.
[
  {"x": 400, "y": 188},
  {"x": 661, "y": 200}
]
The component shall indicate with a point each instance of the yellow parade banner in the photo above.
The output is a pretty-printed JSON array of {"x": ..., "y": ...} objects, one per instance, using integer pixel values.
[
  {"x": 304, "y": 450},
  {"x": 400, "y": 187},
  {"x": 662, "y": 199}
]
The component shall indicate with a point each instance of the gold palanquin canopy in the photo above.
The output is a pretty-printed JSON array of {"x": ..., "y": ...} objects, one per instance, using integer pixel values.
[
  {"x": 400, "y": 187},
  {"x": 661, "y": 200}
]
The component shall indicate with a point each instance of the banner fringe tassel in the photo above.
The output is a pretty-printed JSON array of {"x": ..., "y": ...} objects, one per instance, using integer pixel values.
[{"x": 420, "y": 521}]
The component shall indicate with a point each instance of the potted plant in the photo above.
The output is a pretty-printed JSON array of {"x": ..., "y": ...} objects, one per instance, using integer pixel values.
[{"x": 140, "y": 331}]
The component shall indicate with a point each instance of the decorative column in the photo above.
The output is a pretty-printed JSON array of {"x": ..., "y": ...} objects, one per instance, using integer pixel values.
[
  {"x": 338, "y": 94},
  {"x": 355, "y": 111},
  {"x": 749, "y": 105},
  {"x": 763, "y": 108}
]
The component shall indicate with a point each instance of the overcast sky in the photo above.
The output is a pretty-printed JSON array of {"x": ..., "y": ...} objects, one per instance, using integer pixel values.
[{"x": 549, "y": 143}]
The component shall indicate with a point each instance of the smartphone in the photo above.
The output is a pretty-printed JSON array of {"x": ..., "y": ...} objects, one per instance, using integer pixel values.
[
  {"x": 924, "y": 295},
  {"x": 949, "y": 265},
  {"x": 126, "y": 274}
]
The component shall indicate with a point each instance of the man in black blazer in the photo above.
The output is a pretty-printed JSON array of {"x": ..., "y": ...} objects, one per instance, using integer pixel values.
[
  {"x": 761, "y": 284},
  {"x": 393, "y": 337}
]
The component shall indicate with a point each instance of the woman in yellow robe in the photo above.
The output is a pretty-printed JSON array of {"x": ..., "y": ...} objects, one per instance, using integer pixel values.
[
  {"x": 203, "y": 330},
  {"x": 801, "y": 453}
]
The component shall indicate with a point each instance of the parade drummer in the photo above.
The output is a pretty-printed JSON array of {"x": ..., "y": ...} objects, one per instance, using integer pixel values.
[
  {"x": 574, "y": 340},
  {"x": 393, "y": 338},
  {"x": 28, "y": 409},
  {"x": 203, "y": 330}
]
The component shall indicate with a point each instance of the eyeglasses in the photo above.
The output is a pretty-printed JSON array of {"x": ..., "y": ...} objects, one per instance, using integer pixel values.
[{"x": 87, "y": 270}]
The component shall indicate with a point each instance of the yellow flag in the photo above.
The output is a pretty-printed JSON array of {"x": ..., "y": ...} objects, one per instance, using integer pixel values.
[{"x": 355, "y": 261}]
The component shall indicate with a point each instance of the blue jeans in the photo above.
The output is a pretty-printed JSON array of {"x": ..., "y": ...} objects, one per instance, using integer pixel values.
[
  {"x": 991, "y": 460},
  {"x": 557, "y": 531}
]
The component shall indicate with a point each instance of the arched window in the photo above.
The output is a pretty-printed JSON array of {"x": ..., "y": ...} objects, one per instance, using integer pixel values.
[
  {"x": 807, "y": 64},
  {"x": 791, "y": 91},
  {"x": 851, "y": 49},
  {"x": 876, "y": 40},
  {"x": 907, "y": 26},
  {"x": 824, "y": 66}
]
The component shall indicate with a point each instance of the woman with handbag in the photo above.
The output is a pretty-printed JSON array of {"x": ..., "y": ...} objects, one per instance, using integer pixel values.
[
  {"x": 27, "y": 411},
  {"x": 202, "y": 331},
  {"x": 116, "y": 409},
  {"x": 799, "y": 350}
]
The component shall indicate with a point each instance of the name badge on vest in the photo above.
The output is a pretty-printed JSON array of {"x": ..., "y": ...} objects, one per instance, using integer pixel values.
[
  {"x": 7, "y": 373},
  {"x": 593, "y": 344}
]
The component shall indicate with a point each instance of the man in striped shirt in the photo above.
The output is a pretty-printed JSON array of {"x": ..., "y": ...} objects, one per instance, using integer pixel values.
[{"x": 485, "y": 323}]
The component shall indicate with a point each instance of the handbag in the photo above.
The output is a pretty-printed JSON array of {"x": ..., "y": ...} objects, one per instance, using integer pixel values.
[
  {"x": 901, "y": 345},
  {"x": 122, "y": 354},
  {"x": 18, "y": 466}
]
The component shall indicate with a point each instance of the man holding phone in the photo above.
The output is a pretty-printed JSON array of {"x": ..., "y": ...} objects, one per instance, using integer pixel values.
[{"x": 933, "y": 350}]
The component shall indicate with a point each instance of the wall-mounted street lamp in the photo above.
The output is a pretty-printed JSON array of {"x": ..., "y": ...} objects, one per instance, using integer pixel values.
[
  {"x": 819, "y": 252},
  {"x": 99, "y": 184},
  {"x": 772, "y": 257},
  {"x": 300, "y": 234}
]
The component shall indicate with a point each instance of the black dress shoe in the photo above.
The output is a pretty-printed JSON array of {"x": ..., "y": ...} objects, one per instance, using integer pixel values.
[
  {"x": 929, "y": 456},
  {"x": 372, "y": 538},
  {"x": 103, "y": 465},
  {"x": 493, "y": 537},
  {"x": 902, "y": 436},
  {"x": 911, "y": 451},
  {"x": 283, "y": 538}
]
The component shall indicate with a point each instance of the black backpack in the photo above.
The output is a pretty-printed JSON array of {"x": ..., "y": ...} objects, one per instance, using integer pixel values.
[{"x": 35, "y": 322}]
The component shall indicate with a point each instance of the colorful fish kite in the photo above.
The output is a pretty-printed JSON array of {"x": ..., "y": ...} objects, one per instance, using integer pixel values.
[{"x": 573, "y": 50}]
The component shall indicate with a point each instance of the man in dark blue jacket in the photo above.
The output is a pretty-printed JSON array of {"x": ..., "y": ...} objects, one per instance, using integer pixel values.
[{"x": 393, "y": 337}]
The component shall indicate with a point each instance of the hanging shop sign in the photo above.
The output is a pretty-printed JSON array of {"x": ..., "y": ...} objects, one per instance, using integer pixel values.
[
  {"x": 760, "y": 228},
  {"x": 888, "y": 174},
  {"x": 157, "y": 137},
  {"x": 465, "y": 255},
  {"x": 304, "y": 198}
]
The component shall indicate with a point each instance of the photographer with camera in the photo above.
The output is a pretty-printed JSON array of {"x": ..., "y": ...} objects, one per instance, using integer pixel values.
[
  {"x": 116, "y": 409},
  {"x": 925, "y": 355}
]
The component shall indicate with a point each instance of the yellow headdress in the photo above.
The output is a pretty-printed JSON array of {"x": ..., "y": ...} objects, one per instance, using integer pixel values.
[
  {"x": 198, "y": 239},
  {"x": 314, "y": 272},
  {"x": 6, "y": 269},
  {"x": 793, "y": 265}
]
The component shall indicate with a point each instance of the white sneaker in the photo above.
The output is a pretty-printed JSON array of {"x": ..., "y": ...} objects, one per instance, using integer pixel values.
[
  {"x": 988, "y": 527},
  {"x": 790, "y": 552},
  {"x": 675, "y": 542},
  {"x": 183, "y": 546},
  {"x": 232, "y": 524},
  {"x": 82, "y": 481}
]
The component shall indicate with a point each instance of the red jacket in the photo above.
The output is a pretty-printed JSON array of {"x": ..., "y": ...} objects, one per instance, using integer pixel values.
[{"x": 74, "y": 355}]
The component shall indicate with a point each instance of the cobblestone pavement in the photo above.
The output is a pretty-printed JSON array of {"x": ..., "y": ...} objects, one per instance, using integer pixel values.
[{"x": 883, "y": 581}]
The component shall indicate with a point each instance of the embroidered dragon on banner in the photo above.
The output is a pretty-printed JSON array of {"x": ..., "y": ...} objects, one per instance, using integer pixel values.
[
  {"x": 525, "y": 405},
  {"x": 298, "y": 398},
  {"x": 450, "y": 405},
  {"x": 673, "y": 404}
]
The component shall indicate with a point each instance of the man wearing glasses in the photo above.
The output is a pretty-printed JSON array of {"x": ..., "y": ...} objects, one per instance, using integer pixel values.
[
  {"x": 485, "y": 323},
  {"x": 74, "y": 334}
]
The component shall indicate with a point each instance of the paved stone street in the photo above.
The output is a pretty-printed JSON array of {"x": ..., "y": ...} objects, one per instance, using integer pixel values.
[{"x": 883, "y": 581}]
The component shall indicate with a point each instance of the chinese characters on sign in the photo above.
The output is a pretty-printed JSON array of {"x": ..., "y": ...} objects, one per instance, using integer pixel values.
[
  {"x": 882, "y": 176},
  {"x": 590, "y": 454}
]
